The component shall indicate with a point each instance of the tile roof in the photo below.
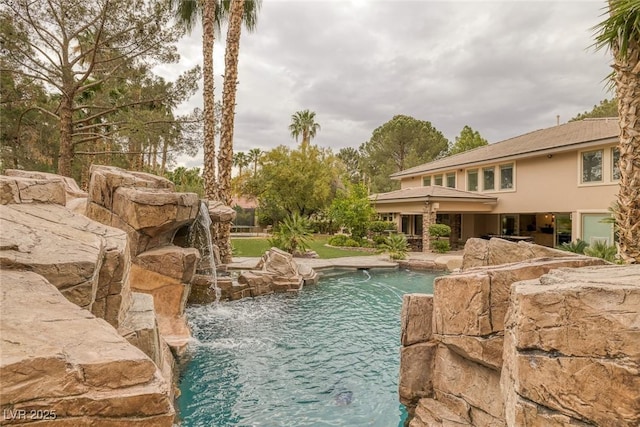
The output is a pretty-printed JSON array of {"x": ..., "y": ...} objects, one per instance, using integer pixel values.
[
  {"x": 435, "y": 192},
  {"x": 553, "y": 138}
]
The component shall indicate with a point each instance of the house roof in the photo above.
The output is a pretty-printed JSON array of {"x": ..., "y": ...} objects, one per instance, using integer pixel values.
[
  {"x": 554, "y": 139},
  {"x": 429, "y": 193}
]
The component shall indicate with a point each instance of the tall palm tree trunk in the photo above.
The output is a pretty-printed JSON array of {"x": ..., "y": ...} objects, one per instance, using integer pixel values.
[
  {"x": 627, "y": 79},
  {"x": 225, "y": 154},
  {"x": 208, "y": 39}
]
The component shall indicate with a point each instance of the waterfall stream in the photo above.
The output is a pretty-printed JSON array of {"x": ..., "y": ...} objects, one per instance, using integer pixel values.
[{"x": 200, "y": 238}]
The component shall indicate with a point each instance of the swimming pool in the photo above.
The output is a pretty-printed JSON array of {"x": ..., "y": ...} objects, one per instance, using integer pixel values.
[{"x": 327, "y": 356}]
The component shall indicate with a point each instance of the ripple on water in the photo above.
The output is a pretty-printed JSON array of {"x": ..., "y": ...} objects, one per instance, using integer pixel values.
[{"x": 327, "y": 356}]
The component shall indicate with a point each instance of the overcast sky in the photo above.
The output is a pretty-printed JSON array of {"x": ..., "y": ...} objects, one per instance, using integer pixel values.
[{"x": 504, "y": 68}]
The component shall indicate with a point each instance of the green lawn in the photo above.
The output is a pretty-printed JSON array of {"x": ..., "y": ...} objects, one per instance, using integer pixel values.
[{"x": 257, "y": 246}]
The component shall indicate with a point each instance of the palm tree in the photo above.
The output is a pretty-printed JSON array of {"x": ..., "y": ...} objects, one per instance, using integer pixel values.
[
  {"x": 188, "y": 13},
  {"x": 240, "y": 160},
  {"x": 239, "y": 11},
  {"x": 620, "y": 32},
  {"x": 304, "y": 123},
  {"x": 255, "y": 154}
]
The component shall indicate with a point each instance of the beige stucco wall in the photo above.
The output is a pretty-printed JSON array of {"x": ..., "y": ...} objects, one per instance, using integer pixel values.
[
  {"x": 545, "y": 184},
  {"x": 542, "y": 184}
]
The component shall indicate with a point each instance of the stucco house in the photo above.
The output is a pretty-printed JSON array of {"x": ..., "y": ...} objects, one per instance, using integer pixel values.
[{"x": 549, "y": 186}]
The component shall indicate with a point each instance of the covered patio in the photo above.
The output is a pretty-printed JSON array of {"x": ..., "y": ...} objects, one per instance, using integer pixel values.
[{"x": 415, "y": 209}]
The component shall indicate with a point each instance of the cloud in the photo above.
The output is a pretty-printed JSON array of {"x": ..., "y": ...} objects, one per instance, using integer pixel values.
[{"x": 502, "y": 67}]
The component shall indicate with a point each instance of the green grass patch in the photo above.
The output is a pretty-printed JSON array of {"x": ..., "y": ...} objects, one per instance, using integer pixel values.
[{"x": 257, "y": 246}]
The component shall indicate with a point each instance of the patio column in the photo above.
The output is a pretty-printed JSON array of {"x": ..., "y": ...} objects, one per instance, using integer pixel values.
[
  {"x": 456, "y": 220},
  {"x": 428, "y": 218}
]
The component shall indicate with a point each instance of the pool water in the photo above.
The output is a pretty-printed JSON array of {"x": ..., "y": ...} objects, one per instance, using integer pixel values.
[{"x": 327, "y": 356}]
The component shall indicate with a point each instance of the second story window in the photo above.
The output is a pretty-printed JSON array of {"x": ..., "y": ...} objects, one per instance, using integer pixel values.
[
  {"x": 437, "y": 180},
  {"x": 426, "y": 181},
  {"x": 592, "y": 166},
  {"x": 506, "y": 176},
  {"x": 451, "y": 180},
  {"x": 472, "y": 180},
  {"x": 615, "y": 164},
  {"x": 488, "y": 179}
]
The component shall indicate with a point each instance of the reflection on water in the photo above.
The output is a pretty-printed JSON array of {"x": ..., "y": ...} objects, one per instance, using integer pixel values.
[{"x": 327, "y": 356}]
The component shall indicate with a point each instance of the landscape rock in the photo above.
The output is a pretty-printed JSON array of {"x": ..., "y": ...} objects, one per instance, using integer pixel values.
[
  {"x": 416, "y": 319},
  {"x": 142, "y": 205},
  {"x": 432, "y": 413},
  {"x": 17, "y": 190},
  {"x": 417, "y": 367},
  {"x": 173, "y": 261},
  {"x": 220, "y": 213},
  {"x": 73, "y": 363},
  {"x": 572, "y": 344},
  {"x": 87, "y": 261},
  {"x": 71, "y": 188},
  {"x": 476, "y": 384},
  {"x": 481, "y": 252}
]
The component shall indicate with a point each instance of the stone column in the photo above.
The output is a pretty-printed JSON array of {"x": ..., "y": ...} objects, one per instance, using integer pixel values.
[
  {"x": 456, "y": 223},
  {"x": 428, "y": 218}
]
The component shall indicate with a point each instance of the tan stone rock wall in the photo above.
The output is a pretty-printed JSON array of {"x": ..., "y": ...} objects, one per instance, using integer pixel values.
[
  {"x": 542, "y": 342},
  {"x": 142, "y": 205},
  {"x": 72, "y": 364},
  {"x": 572, "y": 347},
  {"x": 481, "y": 252}
]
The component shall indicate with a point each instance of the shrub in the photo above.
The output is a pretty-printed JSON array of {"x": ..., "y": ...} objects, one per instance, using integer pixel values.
[
  {"x": 439, "y": 230},
  {"x": 379, "y": 240},
  {"x": 338, "y": 240},
  {"x": 577, "y": 247},
  {"x": 382, "y": 226},
  {"x": 600, "y": 249},
  {"x": 441, "y": 246},
  {"x": 293, "y": 235},
  {"x": 351, "y": 243},
  {"x": 396, "y": 246}
]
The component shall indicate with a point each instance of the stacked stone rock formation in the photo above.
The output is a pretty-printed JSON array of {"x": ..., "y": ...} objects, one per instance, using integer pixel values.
[
  {"x": 569, "y": 355},
  {"x": 276, "y": 271},
  {"x": 151, "y": 213},
  {"x": 57, "y": 359}
]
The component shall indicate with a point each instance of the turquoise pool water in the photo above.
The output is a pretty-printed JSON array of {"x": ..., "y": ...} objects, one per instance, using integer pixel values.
[{"x": 327, "y": 356}]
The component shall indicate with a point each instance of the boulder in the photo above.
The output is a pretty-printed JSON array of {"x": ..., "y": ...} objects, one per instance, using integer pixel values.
[
  {"x": 433, "y": 413},
  {"x": 279, "y": 263},
  {"x": 17, "y": 190},
  {"x": 481, "y": 252},
  {"x": 470, "y": 307},
  {"x": 416, "y": 372},
  {"x": 220, "y": 213},
  {"x": 72, "y": 363},
  {"x": 169, "y": 295},
  {"x": 71, "y": 188},
  {"x": 173, "y": 261},
  {"x": 416, "y": 319},
  {"x": 140, "y": 327},
  {"x": 572, "y": 345},
  {"x": 87, "y": 261},
  {"x": 142, "y": 205},
  {"x": 476, "y": 384}
]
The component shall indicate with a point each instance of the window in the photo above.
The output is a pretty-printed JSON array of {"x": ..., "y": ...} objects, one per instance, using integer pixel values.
[
  {"x": 426, "y": 181},
  {"x": 472, "y": 180},
  {"x": 592, "y": 166},
  {"x": 437, "y": 180},
  {"x": 387, "y": 217},
  {"x": 597, "y": 227},
  {"x": 615, "y": 164},
  {"x": 506, "y": 176},
  {"x": 488, "y": 177},
  {"x": 451, "y": 180}
]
